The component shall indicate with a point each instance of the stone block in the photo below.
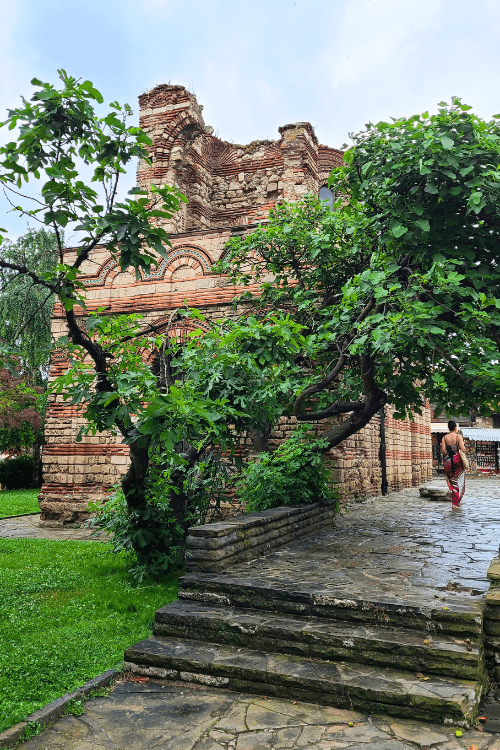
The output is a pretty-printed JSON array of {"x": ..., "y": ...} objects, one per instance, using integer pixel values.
[
  {"x": 217, "y": 546},
  {"x": 493, "y": 572},
  {"x": 493, "y": 596},
  {"x": 434, "y": 493}
]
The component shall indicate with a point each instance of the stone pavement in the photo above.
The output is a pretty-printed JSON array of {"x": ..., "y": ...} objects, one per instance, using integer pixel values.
[
  {"x": 403, "y": 546},
  {"x": 175, "y": 716},
  {"x": 28, "y": 527}
]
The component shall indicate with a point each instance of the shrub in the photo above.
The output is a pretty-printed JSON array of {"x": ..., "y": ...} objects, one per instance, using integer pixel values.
[
  {"x": 201, "y": 488},
  {"x": 116, "y": 519},
  {"x": 17, "y": 473},
  {"x": 293, "y": 475}
]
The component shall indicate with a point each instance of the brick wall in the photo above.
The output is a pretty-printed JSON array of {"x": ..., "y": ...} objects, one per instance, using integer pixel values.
[{"x": 230, "y": 188}]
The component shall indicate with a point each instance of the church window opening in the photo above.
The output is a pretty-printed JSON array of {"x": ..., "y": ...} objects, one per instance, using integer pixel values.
[{"x": 326, "y": 196}]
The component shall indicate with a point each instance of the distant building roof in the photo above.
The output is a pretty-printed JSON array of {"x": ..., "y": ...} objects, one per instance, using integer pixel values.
[
  {"x": 439, "y": 427},
  {"x": 481, "y": 433}
]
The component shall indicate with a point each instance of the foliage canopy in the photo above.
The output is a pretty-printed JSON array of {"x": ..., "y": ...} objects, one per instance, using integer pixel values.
[{"x": 397, "y": 289}]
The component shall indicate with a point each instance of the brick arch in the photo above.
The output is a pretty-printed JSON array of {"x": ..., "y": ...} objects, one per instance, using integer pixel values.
[
  {"x": 182, "y": 255},
  {"x": 191, "y": 255},
  {"x": 110, "y": 266},
  {"x": 106, "y": 274},
  {"x": 182, "y": 129}
]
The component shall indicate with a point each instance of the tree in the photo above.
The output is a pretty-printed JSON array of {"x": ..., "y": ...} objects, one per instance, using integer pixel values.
[
  {"x": 20, "y": 419},
  {"x": 176, "y": 431},
  {"x": 59, "y": 133},
  {"x": 25, "y": 323},
  {"x": 397, "y": 289},
  {"x": 26, "y": 307},
  {"x": 428, "y": 188},
  {"x": 354, "y": 309}
]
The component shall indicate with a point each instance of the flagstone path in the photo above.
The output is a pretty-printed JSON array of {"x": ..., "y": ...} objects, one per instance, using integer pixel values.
[
  {"x": 176, "y": 716},
  {"x": 27, "y": 527},
  {"x": 402, "y": 546}
]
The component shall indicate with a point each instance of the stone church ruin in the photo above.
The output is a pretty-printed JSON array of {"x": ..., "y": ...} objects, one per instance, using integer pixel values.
[{"x": 230, "y": 188}]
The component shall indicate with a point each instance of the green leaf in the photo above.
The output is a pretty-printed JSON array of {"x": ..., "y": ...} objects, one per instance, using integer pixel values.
[
  {"x": 447, "y": 143},
  {"x": 399, "y": 230},
  {"x": 88, "y": 86},
  {"x": 423, "y": 224},
  {"x": 137, "y": 191}
]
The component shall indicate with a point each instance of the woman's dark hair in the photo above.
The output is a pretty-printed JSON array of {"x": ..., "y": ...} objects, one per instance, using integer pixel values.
[{"x": 451, "y": 425}]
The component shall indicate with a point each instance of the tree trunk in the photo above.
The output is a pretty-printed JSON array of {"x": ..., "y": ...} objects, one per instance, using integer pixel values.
[
  {"x": 260, "y": 438},
  {"x": 37, "y": 459},
  {"x": 357, "y": 420},
  {"x": 146, "y": 540}
]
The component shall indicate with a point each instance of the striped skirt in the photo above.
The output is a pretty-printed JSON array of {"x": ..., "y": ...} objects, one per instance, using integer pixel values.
[{"x": 455, "y": 475}]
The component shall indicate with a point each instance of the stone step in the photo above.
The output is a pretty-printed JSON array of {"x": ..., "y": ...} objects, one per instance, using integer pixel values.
[
  {"x": 317, "y": 637},
  {"x": 370, "y": 689},
  {"x": 458, "y": 614}
]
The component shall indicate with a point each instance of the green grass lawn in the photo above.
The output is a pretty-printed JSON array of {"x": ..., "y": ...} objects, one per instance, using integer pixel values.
[
  {"x": 67, "y": 612},
  {"x": 18, "y": 502}
]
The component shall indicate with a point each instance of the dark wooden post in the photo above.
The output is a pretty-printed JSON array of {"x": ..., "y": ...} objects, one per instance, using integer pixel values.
[{"x": 381, "y": 452}]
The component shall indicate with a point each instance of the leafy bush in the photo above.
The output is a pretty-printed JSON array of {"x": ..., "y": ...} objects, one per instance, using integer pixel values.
[
  {"x": 17, "y": 473},
  {"x": 115, "y": 518},
  {"x": 201, "y": 489},
  {"x": 293, "y": 475}
]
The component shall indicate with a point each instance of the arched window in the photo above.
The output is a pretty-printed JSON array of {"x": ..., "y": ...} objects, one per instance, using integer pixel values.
[{"x": 326, "y": 196}]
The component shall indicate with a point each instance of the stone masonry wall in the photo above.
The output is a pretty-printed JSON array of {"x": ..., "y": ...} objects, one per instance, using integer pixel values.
[
  {"x": 227, "y": 184},
  {"x": 230, "y": 188}
]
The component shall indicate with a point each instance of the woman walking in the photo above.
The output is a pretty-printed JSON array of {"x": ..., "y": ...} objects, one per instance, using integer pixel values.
[{"x": 451, "y": 445}]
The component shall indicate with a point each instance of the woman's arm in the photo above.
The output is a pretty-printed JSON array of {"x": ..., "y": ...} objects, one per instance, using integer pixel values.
[
  {"x": 461, "y": 443},
  {"x": 443, "y": 447}
]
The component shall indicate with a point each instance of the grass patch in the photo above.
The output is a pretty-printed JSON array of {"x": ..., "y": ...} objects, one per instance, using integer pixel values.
[
  {"x": 18, "y": 502},
  {"x": 67, "y": 612}
]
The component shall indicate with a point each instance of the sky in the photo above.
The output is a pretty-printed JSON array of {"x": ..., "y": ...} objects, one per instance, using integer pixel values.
[{"x": 259, "y": 64}]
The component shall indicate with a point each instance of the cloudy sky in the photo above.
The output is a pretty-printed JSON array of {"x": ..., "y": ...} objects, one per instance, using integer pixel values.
[{"x": 258, "y": 64}]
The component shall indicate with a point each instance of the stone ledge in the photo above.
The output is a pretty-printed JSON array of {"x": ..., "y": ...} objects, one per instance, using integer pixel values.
[
  {"x": 493, "y": 573},
  {"x": 243, "y": 541},
  {"x": 492, "y": 621},
  {"x": 252, "y": 551},
  {"x": 55, "y": 709},
  {"x": 214, "y": 547},
  {"x": 252, "y": 520}
]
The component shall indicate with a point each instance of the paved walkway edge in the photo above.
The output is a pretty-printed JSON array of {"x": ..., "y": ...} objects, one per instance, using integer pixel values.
[{"x": 54, "y": 710}]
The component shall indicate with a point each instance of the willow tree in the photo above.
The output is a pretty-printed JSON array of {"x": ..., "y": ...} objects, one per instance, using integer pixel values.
[{"x": 25, "y": 306}]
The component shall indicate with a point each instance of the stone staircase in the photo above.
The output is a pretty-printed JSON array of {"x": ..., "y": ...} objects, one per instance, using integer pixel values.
[{"x": 412, "y": 657}]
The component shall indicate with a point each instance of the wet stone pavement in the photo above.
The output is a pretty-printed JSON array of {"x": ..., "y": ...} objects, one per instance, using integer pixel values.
[
  {"x": 176, "y": 716},
  {"x": 400, "y": 546},
  {"x": 28, "y": 527}
]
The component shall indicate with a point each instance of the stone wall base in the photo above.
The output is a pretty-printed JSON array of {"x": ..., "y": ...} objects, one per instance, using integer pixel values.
[{"x": 69, "y": 504}]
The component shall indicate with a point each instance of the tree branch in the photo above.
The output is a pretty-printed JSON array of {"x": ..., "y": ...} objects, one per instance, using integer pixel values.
[
  {"x": 26, "y": 272},
  {"x": 317, "y": 388}
]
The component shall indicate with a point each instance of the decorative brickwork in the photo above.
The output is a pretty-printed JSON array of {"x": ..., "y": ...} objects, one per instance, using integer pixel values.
[{"x": 230, "y": 188}]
